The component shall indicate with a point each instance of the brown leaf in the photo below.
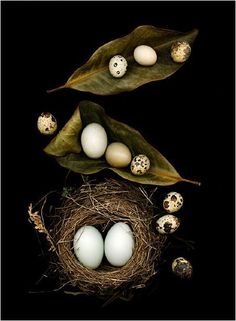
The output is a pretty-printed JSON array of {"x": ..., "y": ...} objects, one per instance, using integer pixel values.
[{"x": 94, "y": 75}]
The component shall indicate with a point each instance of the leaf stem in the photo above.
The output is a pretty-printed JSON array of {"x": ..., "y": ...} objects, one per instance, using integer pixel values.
[
  {"x": 190, "y": 181},
  {"x": 56, "y": 89}
]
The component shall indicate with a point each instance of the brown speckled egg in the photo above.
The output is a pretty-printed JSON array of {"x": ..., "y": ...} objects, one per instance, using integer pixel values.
[
  {"x": 167, "y": 224},
  {"x": 173, "y": 202},
  {"x": 180, "y": 51},
  {"x": 47, "y": 123},
  {"x": 182, "y": 268},
  {"x": 140, "y": 165}
]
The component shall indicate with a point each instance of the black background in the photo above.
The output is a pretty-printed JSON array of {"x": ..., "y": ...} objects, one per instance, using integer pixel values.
[{"x": 189, "y": 117}]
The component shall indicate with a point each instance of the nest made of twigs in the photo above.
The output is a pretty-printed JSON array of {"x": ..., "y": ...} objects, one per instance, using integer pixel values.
[{"x": 102, "y": 205}]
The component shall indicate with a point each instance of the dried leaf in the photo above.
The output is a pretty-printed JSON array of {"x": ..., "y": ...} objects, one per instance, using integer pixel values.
[
  {"x": 66, "y": 140},
  {"x": 94, "y": 75},
  {"x": 161, "y": 171}
]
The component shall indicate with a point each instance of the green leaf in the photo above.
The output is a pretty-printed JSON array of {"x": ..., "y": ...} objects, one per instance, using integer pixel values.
[
  {"x": 94, "y": 75},
  {"x": 161, "y": 172}
]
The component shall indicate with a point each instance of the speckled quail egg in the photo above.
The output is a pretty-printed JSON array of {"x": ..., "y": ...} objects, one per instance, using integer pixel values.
[
  {"x": 118, "y": 66},
  {"x": 47, "y": 123},
  {"x": 140, "y": 164},
  {"x": 167, "y": 224},
  {"x": 180, "y": 51},
  {"x": 173, "y": 202},
  {"x": 182, "y": 268},
  {"x": 145, "y": 55}
]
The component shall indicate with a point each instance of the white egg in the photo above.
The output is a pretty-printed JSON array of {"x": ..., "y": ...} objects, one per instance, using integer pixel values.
[
  {"x": 118, "y": 66},
  {"x": 119, "y": 244},
  {"x": 118, "y": 155},
  {"x": 47, "y": 123},
  {"x": 182, "y": 268},
  {"x": 140, "y": 165},
  {"x": 89, "y": 246},
  {"x": 180, "y": 51},
  {"x": 173, "y": 202},
  {"x": 167, "y": 224},
  {"x": 145, "y": 55},
  {"x": 94, "y": 140}
]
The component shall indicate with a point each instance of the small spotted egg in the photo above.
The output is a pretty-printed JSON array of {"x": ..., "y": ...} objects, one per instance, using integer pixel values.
[
  {"x": 180, "y": 51},
  {"x": 140, "y": 164},
  {"x": 47, "y": 123},
  {"x": 173, "y": 202},
  {"x": 118, "y": 66},
  {"x": 167, "y": 224},
  {"x": 182, "y": 268}
]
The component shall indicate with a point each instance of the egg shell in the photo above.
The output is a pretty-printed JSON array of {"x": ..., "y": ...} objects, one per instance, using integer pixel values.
[
  {"x": 118, "y": 155},
  {"x": 182, "y": 268},
  {"x": 145, "y": 55},
  {"x": 140, "y": 164},
  {"x": 94, "y": 140},
  {"x": 180, "y": 51},
  {"x": 89, "y": 246},
  {"x": 47, "y": 123},
  {"x": 173, "y": 202},
  {"x": 119, "y": 244},
  {"x": 118, "y": 66},
  {"x": 167, "y": 224}
]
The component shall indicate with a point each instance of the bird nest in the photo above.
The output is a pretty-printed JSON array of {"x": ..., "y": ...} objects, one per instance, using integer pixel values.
[{"x": 101, "y": 205}]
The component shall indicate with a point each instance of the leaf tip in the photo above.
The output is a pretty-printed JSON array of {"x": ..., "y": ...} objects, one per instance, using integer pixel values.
[{"x": 195, "y": 33}]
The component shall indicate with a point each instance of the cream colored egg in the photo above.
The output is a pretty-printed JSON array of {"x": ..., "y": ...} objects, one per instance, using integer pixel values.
[
  {"x": 94, "y": 140},
  {"x": 89, "y": 246},
  {"x": 118, "y": 155},
  {"x": 47, "y": 123},
  {"x": 119, "y": 244},
  {"x": 145, "y": 55}
]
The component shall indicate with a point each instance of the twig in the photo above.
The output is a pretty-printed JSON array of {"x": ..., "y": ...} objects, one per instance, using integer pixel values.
[{"x": 39, "y": 226}]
